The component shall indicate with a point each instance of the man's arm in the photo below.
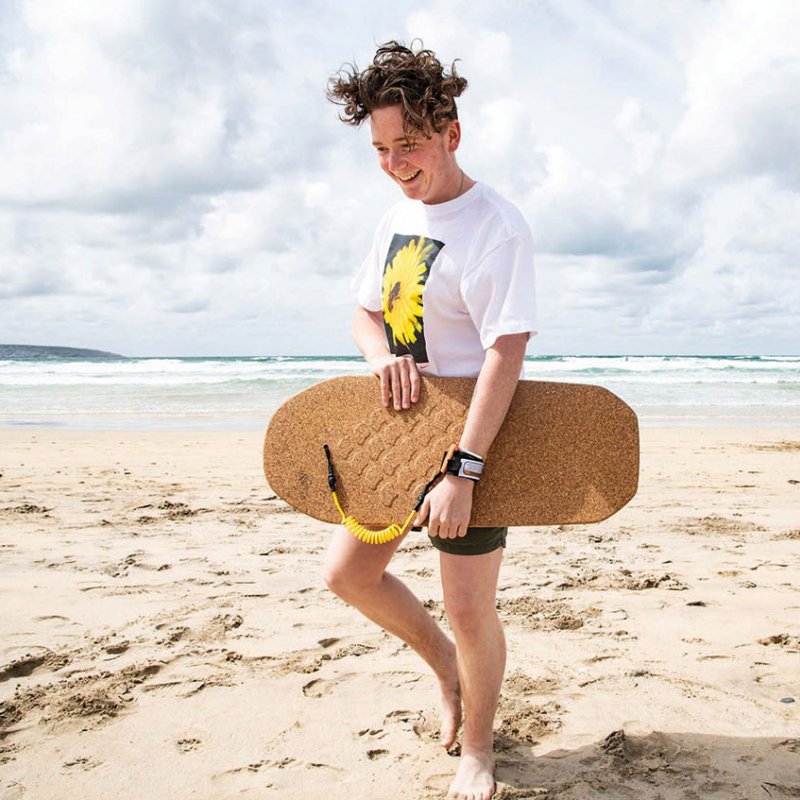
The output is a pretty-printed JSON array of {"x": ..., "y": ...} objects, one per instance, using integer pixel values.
[
  {"x": 448, "y": 507},
  {"x": 399, "y": 376},
  {"x": 494, "y": 389}
]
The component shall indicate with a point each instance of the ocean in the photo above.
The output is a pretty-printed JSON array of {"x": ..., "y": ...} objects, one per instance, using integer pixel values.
[{"x": 241, "y": 393}]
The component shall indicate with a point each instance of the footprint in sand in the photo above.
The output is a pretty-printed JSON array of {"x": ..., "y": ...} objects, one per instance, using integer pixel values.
[
  {"x": 411, "y": 721},
  {"x": 373, "y": 733},
  {"x": 239, "y": 780},
  {"x": 82, "y": 762},
  {"x": 26, "y": 665},
  {"x": 522, "y": 685},
  {"x": 311, "y": 661},
  {"x": 525, "y": 723},
  {"x": 188, "y": 745},
  {"x": 117, "y": 648},
  {"x": 320, "y": 687},
  {"x": 356, "y": 649},
  {"x": 535, "y": 614},
  {"x": 173, "y": 635},
  {"x": 21, "y": 667},
  {"x": 784, "y": 640},
  {"x": 14, "y": 791},
  {"x": 398, "y": 678}
]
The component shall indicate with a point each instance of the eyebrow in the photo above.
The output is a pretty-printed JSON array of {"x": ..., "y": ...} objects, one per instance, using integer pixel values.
[{"x": 398, "y": 139}]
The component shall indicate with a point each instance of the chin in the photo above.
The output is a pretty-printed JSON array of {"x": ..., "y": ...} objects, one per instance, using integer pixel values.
[
  {"x": 416, "y": 191},
  {"x": 413, "y": 192}
]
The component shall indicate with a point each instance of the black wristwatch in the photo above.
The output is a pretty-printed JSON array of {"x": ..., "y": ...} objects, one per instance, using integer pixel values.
[{"x": 465, "y": 465}]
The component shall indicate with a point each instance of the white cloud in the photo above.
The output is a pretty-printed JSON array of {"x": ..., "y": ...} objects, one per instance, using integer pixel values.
[
  {"x": 638, "y": 132},
  {"x": 175, "y": 182},
  {"x": 742, "y": 105}
]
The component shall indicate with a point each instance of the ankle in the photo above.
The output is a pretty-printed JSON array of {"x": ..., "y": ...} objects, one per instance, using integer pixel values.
[{"x": 477, "y": 748}]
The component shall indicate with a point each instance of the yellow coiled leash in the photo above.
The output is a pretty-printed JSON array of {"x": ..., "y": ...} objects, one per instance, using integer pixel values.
[{"x": 392, "y": 531}]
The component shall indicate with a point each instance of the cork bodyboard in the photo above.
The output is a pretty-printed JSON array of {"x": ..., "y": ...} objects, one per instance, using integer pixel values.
[{"x": 566, "y": 453}]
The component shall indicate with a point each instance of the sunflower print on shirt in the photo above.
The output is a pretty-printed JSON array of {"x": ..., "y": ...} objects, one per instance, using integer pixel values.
[{"x": 405, "y": 273}]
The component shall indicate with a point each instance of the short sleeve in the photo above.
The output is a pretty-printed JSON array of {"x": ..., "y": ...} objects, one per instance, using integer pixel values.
[
  {"x": 500, "y": 291},
  {"x": 366, "y": 283}
]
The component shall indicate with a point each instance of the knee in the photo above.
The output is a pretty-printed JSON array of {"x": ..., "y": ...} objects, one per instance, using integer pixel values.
[
  {"x": 467, "y": 616},
  {"x": 335, "y": 578},
  {"x": 346, "y": 580}
]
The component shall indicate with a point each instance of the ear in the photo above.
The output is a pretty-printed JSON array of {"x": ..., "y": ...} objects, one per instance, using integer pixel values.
[{"x": 453, "y": 136}]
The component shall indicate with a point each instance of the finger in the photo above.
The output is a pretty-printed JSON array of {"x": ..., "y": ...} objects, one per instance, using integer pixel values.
[
  {"x": 405, "y": 383},
  {"x": 385, "y": 388},
  {"x": 415, "y": 383},
  {"x": 397, "y": 387}
]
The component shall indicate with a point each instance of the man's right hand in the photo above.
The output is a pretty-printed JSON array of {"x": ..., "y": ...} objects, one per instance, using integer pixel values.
[{"x": 399, "y": 379}]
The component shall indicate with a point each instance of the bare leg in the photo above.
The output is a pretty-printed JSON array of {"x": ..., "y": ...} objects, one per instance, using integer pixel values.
[
  {"x": 357, "y": 573},
  {"x": 470, "y": 587}
]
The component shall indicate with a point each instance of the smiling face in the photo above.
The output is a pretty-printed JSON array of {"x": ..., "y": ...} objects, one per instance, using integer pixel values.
[{"x": 423, "y": 167}]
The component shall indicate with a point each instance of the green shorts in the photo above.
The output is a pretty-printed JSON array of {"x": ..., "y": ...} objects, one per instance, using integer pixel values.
[{"x": 475, "y": 542}]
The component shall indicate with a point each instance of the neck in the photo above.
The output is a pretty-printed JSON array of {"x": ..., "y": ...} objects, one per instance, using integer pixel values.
[
  {"x": 465, "y": 183},
  {"x": 459, "y": 183}
]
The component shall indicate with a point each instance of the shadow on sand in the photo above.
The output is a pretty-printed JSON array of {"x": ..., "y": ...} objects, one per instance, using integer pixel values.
[{"x": 658, "y": 766}]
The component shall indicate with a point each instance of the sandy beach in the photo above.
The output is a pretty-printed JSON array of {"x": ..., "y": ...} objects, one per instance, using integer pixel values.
[{"x": 166, "y": 633}]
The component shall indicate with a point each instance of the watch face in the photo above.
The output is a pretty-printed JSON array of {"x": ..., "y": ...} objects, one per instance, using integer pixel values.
[
  {"x": 471, "y": 469},
  {"x": 465, "y": 467}
]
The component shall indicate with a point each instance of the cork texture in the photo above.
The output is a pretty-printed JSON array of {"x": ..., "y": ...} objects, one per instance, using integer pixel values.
[{"x": 566, "y": 453}]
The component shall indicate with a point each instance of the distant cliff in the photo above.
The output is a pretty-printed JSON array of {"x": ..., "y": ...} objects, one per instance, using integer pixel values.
[{"x": 27, "y": 351}]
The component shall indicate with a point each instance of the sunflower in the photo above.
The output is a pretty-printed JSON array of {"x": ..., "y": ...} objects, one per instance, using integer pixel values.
[{"x": 403, "y": 282}]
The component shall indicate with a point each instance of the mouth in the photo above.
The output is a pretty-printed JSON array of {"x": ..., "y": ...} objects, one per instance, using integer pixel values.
[{"x": 409, "y": 178}]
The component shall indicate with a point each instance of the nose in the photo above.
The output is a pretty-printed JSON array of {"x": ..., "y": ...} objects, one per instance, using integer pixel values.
[{"x": 395, "y": 161}]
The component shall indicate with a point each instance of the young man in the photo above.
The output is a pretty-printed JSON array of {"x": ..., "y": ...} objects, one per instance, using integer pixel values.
[{"x": 447, "y": 289}]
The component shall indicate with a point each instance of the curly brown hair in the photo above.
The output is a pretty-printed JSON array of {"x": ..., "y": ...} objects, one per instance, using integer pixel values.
[{"x": 399, "y": 75}]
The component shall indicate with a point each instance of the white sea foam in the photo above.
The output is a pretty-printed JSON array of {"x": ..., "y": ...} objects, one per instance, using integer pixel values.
[
  {"x": 234, "y": 392},
  {"x": 170, "y": 372}
]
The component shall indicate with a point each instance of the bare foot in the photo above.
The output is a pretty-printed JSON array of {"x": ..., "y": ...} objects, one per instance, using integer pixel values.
[
  {"x": 451, "y": 712},
  {"x": 474, "y": 778}
]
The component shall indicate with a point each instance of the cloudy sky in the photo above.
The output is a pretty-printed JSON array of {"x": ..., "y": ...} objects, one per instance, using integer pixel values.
[{"x": 173, "y": 181}]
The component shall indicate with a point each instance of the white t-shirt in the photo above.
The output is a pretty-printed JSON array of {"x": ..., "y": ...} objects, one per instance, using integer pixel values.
[{"x": 450, "y": 278}]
